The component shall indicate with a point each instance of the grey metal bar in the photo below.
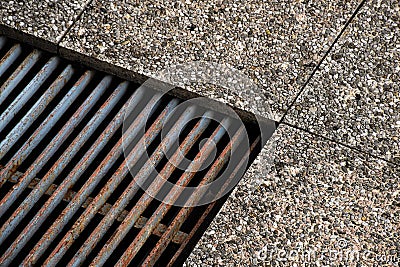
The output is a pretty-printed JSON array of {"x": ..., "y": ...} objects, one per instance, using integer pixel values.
[
  {"x": 28, "y": 92},
  {"x": 104, "y": 225},
  {"x": 58, "y": 194},
  {"x": 145, "y": 200},
  {"x": 19, "y": 74},
  {"x": 10, "y": 58}
]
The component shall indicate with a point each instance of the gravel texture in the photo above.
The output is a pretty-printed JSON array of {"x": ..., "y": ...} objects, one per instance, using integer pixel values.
[
  {"x": 275, "y": 43},
  {"x": 321, "y": 204},
  {"x": 355, "y": 97},
  {"x": 46, "y": 19}
]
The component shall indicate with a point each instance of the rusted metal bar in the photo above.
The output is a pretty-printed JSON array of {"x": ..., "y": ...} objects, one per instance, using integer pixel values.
[
  {"x": 10, "y": 58},
  {"x": 57, "y": 168},
  {"x": 34, "y": 112},
  {"x": 184, "y": 212},
  {"x": 107, "y": 222},
  {"x": 67, "y": 197},
  {"x": 93, "y": 180},
  {"x": 19, "y": 74},
  {"x": 48, "y": 124},
  {"x": 116, "y": 179},
  {"x": 52, "y": 147},
  {"x": 172, "y": 196},
  {"x": 28, "y": 92}
]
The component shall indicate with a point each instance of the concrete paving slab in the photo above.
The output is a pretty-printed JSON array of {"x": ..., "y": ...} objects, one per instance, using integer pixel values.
[
  {"x": 42, "y": 23},
  {"x": 355, "y": 97},
  {"x": 322, "y": 204},
  {"x": 275, "y": 43}
]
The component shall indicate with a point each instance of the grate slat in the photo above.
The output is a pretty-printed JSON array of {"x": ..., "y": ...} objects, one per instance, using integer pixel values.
[
  {"x": 144, "y": 201},
  {"x": 195, "y": 165},
  {"x": 122, "y": 171},
  {"x": 19, "y": 74},
  {"x": 9, "y": 58},
  {"x": 51, "y": 149},
  {"x": 173, "y": 229},
  {"x": 57, "y": 195},
  {"x": 88, "y": 187},
  {"x": 184, "y": 213}
]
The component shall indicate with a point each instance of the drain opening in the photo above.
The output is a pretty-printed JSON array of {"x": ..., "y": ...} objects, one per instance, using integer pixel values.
[{"x": 67, "y": 197}]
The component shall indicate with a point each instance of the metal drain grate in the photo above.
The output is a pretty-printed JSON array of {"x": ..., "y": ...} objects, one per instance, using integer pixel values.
[{"x": 67, "y": 195}]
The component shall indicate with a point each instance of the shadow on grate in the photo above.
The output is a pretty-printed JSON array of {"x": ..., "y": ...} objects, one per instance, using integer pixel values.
[{"x": 72, "y": 194}]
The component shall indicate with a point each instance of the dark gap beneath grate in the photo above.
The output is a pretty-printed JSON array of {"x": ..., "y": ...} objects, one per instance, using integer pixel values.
[
  {"x": 192, "y": 219},
  {"x": 99, "y": 246},
  {"x": 4, "y": 190},
  {"x": 103, "y": 181},
  {"x": 80, "y": 240},
  {"x": 121, "y": 248},
  {"x": 144, "y": 251},
  {"x": 165, "y": 257}
]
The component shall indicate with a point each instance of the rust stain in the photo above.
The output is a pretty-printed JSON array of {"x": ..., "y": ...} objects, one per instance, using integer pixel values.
[{"x": 159, "y": 231}]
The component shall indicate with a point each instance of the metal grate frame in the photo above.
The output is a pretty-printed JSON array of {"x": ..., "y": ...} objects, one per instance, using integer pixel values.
[{"x": 67, "y": 196}]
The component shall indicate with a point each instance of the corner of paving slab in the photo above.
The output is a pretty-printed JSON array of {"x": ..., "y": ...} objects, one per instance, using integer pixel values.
[{"x": 313, "y": 184}]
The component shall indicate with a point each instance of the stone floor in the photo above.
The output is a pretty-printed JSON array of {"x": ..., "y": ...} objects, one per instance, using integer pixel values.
[
  {"x": 42, "y": 22},
  {"x": 319, "y": 199},
  {"x": 330, "y": 72},
  {"x": 354, "y": 98}
]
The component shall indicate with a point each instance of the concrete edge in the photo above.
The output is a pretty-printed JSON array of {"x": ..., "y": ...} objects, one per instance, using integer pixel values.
[
  {"x": 29, "y": 39},
  {"x": 135, "y": 77}
]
